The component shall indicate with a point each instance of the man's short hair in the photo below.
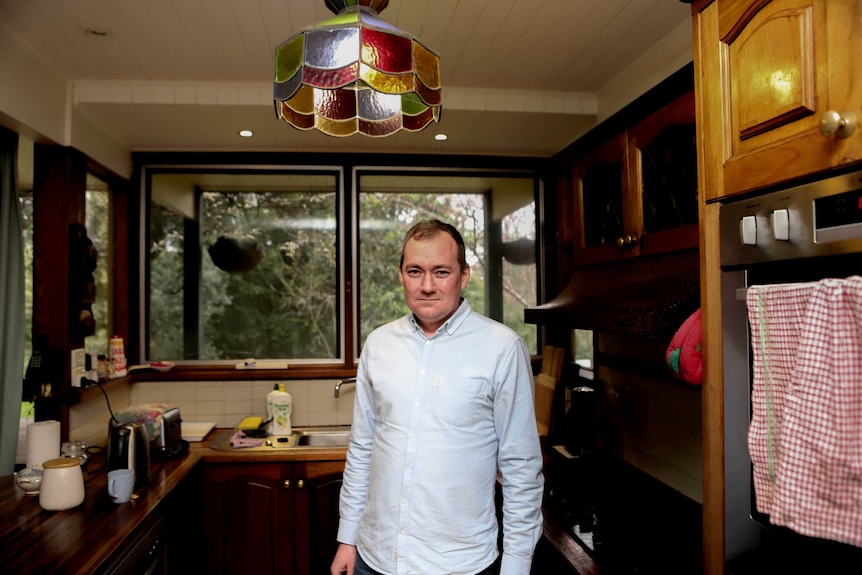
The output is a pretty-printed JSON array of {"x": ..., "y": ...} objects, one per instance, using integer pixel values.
[{"x": 429, "y": 228}]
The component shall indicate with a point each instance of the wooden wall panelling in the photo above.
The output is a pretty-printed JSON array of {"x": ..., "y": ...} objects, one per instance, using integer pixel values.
[{"x": 60, "y": 178}]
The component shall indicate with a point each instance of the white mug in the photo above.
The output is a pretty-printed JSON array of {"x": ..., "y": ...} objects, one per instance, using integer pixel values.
[{"x": 121, "y": 484}]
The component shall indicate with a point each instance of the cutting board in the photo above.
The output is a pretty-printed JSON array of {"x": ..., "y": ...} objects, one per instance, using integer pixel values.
[
  {"x": 545, "y": 385},
  {"x": 196, "y": 430}
]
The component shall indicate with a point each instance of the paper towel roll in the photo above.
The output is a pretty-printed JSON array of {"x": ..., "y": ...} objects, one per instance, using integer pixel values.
[{"x": 43, "y": 442}]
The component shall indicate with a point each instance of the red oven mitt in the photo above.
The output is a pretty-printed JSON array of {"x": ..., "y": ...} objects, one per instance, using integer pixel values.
[{"x": 684, "y": 356}]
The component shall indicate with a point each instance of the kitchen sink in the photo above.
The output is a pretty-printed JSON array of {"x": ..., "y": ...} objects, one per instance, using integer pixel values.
[
  {"x": 302, "y": 437},
  {"x": 337, "y": 437}
]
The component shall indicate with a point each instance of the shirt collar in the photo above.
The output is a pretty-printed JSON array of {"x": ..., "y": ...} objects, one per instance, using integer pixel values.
[{"x": 451, "y": 325}]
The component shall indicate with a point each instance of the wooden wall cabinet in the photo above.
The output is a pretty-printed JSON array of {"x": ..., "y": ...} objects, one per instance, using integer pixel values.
[
  {"x": 636, "y": 194},
  {"x": 778, "y": 71},
  {"x": 278, "y": 518}
]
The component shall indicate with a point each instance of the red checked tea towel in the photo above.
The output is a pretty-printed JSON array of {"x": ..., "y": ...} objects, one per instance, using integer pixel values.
[
  {"x": 817, "y": 473},
  {"x": 775, "y": 315}
]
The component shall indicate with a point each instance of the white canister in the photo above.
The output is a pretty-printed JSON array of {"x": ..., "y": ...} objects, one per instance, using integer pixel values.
[{"x": 62, "y": 484}]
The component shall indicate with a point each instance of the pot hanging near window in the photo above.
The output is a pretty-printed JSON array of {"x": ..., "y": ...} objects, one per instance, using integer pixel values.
[{"x": 235, "y": 256}]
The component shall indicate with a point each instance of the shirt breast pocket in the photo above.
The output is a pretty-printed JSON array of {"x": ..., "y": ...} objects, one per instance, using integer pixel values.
[{"x": 461, "y": 400}]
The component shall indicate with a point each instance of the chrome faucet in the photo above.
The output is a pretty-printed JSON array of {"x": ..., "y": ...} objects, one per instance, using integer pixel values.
[{"x": 341, "y": 382}]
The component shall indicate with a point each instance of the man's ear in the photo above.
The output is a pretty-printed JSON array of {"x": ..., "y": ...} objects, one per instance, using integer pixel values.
[{"x": 465, "y": 276}]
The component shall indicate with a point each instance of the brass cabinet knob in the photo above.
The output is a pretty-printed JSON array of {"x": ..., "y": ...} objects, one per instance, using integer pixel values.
[
  {"x": 287, "y": 483},
  {"x": 840, "y": 125},
  {"x": 627, "y": 241},
  {"x": 300, "y": 484}
]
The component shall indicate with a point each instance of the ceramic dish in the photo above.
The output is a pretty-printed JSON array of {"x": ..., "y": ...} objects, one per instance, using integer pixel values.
[
  {"x": 162, "y": 365},
  {"x": 29, "y": 480}
]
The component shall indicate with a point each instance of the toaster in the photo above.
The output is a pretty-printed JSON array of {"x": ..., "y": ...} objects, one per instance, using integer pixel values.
[{"x": 170, "y": 442}]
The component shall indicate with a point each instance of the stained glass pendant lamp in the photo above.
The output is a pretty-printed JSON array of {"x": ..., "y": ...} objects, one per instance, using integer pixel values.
[{"x": 355, "y": 73}]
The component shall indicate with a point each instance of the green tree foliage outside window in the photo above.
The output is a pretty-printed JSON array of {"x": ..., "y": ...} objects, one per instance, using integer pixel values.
[
  {"x": 285, "y": 307},
  {"x": 288, "y": 305}
]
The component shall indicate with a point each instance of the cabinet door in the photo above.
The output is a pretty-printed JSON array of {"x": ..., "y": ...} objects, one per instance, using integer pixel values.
[
  {"x": 663, "y": 149},
  {"x": 600, "y": 182},
  {"x": 779, "y": 66},
  {"x": 249, "y": 518},
  {"x": 318, "y": 488}
]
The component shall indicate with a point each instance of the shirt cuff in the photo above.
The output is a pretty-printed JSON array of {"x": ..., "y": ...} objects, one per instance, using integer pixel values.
[
  {"x": 347, "y": 532},
  {"x": 515, "y": 565}
]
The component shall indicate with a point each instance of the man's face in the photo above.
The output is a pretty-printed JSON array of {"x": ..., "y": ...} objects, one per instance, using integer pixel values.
[{"x": 432, "y": 279}]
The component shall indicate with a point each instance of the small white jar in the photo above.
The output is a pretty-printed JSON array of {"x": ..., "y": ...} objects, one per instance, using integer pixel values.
[{"x": 62, "y": 484}]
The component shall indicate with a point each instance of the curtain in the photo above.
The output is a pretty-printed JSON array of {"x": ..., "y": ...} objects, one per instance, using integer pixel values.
[{"x": 11, "y": 303}]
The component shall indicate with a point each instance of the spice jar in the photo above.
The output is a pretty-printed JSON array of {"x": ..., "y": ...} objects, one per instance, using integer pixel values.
[
  {"x": 78, "y": 450},
  {"x": 102, "y": 367}
]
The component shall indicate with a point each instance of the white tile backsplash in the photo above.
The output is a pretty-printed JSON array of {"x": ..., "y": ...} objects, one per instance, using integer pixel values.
[{"x": 227, "y": 402}]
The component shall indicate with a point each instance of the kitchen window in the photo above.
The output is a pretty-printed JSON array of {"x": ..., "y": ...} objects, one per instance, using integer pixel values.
[
  {"x": 243, "y": 265},
  {"x": 254, "y": 262},
  {"x": 98, "y": 223},
  {"x": 495, "y": 215}
]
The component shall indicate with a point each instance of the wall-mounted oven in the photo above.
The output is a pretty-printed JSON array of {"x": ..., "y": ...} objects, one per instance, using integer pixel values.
[{"x": 805, "y": 233}]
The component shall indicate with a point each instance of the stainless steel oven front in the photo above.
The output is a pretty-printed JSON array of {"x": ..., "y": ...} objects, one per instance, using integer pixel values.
[{"x": 803, "y": 233}]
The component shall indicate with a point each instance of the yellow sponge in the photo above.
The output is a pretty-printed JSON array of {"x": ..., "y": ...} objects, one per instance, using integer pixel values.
[{"x": 250, "y": 423}]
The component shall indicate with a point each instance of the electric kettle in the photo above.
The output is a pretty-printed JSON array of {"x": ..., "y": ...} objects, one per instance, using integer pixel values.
[{"x": 129, "y": 448}]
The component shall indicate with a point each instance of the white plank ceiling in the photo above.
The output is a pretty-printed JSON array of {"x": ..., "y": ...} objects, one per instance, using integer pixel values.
[{"x": 520, "y": 77}]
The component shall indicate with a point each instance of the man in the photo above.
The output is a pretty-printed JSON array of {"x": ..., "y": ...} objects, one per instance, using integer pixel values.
[{"x": 444, "y": 400}]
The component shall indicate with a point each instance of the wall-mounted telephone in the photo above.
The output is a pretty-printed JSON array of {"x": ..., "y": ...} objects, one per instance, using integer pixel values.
[{"x": 41, "y": 371}]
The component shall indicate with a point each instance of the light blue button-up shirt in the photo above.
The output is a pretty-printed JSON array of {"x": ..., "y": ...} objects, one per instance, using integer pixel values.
[{"x": 434, "y": 421}]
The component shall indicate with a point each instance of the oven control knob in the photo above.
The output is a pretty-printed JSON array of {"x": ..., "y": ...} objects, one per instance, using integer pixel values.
[
  {"x": 748, "y": 230},
  {"x": 781, "y": 224}
]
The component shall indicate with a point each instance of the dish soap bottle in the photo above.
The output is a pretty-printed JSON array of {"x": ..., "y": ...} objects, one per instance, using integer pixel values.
[
  {"x": 270, "y": 414},
  {"x": 281, "y": 407}
]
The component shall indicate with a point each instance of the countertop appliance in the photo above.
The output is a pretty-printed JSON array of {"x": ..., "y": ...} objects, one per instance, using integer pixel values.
[
  {"x": 170, "y": 442},
  {"x": 129, "y": 448},
  {"x": 803, "y": 233}
]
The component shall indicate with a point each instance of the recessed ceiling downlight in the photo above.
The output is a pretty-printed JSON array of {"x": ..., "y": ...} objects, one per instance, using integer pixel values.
[
  {"x": 246, "y": 133},
  {"x": 441, "y": 137}
]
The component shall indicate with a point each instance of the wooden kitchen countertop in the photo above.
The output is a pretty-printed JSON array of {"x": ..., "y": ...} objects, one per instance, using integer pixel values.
[{"x": 90, "y": 537}]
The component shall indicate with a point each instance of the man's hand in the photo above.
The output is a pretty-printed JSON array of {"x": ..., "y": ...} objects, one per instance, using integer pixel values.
[{"x": 345, "y": 560}]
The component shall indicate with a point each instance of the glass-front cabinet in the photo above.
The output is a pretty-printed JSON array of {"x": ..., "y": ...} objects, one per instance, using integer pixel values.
[{"x": 636, "y": 193}]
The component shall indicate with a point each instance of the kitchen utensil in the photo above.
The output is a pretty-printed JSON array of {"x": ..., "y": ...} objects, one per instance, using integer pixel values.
[
  {"x": 171, "y": 439},
  {"x": 29, "y": 480},
  {"x": 157, "y": 365},
  {"x": 129, "y": 448},
  {"x": 196, "y": 430},
  {"x": 62, "y": 484},
  {"x": 121, "y": 484}
]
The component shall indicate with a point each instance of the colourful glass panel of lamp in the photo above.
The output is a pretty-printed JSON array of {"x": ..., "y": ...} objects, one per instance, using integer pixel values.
[
  {"x": 356, "y": 73},
  {"x": 387, "y": 52}
]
